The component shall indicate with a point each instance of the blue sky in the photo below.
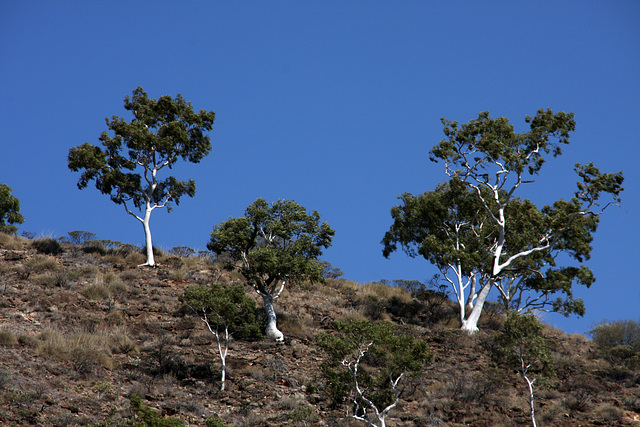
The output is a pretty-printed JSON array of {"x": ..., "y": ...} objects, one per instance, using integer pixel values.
[{"x": 334, "y": 104}]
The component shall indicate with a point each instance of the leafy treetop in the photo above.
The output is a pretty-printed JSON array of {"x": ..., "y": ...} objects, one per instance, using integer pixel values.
[{"x": 273, "y": 243}]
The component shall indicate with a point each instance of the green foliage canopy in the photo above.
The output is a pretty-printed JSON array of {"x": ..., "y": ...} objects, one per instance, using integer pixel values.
[
  {"x": 273, "y": 243},
  {"x": 9, "y": 211},
  {"x": 390, "y": 353},
  {"x": 522, "y": 346},
  {"x": 226, "y": 307}
]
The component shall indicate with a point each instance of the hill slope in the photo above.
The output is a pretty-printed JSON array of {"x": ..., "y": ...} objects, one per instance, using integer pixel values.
[{"x": 83, "y": 330}]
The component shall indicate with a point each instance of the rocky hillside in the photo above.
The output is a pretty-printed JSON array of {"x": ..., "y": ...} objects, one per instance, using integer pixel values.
[{"x": 85, "y": 329}]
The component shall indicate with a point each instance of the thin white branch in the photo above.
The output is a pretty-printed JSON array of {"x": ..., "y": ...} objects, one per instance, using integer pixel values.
[
  {"x": 277, "y": 294},
  {"x": 126, "y": 208}
]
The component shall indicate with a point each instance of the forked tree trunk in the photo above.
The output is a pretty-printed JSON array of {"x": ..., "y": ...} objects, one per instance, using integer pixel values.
[
  {"x": 223, "y": 355},
  {"x": 531, "y": 399},
  {"x": 272, "y": 328},
  {"x": 470, "y": 324}
]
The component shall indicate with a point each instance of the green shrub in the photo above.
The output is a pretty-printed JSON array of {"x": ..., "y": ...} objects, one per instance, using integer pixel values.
[
  {"x": 303, "y": 414},
  {"x": 182, "y": 251},
  {"x": 215, "y": 422},
  {"x": 173, "y": 262},
  {"x": 148, "y": 417},
  {"x": 48, "y": 246},
  {"x": 94, "y": 247},
  {"x": 618, "y": 333},
  {"x": 79, "y": 237}
]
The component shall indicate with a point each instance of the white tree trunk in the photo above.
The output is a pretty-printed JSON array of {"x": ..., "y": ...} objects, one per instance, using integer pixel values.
[
  {"x": 221, "y": 352},
  {"x": 147, "y": 236},
  {"x": 470, "y": 324},
  {"x": 531, "y": 399},
  {"x": 272, "y": 329},
  {"x": 223, "y": 355}
]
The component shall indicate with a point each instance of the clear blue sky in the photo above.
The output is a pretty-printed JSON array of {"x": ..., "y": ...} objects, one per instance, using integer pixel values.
[{"x": 334, "y": 104}]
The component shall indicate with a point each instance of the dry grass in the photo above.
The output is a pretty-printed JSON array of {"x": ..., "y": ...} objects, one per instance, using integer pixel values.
[
  {"x": 8, "y": 338},
  {"x": 353, "y": 314},
  {"x": 86, "y": 351},
  {"x": 41, "y": 263},
  {"x": 177, "y": 275},
  {"x": 104, "y": 287},
  {"x": 135, "y": 259},
  {"x": 291, "y": 325},
  {"x": 383, "y": 292},
  {"x": 11, "y": 242}
]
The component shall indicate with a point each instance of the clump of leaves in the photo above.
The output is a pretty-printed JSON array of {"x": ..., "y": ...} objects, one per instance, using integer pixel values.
[
  {"x": 224, "y": 306},
  {"x": 9, "y": 211}
]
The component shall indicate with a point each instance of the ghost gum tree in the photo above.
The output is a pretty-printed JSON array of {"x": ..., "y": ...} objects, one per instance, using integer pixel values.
[
  {"x": 480, "y": 234},
  {"x": 272, "y": 245},
  {"x": 127, "y": 165}
]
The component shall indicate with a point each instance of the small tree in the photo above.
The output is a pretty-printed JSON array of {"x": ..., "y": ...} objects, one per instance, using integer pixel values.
[
  {"x": 521, "y": 346},
  {"x": 223, "y": 309},
  {"x": 9, "y": 211},
  {"x": 366, "y": 363},
  {"x": 79, "y": 237},
  {"x": 271, "y": 245},
  {"x": 480, "y": 235},
  {"x": 161, "y": 132}
]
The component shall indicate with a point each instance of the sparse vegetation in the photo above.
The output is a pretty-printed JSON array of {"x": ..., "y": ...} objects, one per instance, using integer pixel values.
[{"x": 82, "y": 333}]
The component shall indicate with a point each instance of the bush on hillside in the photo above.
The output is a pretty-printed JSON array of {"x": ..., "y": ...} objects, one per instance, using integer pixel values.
[
  {"x": 48, "y": 246},
  {"x": 618, "y": 333}
]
